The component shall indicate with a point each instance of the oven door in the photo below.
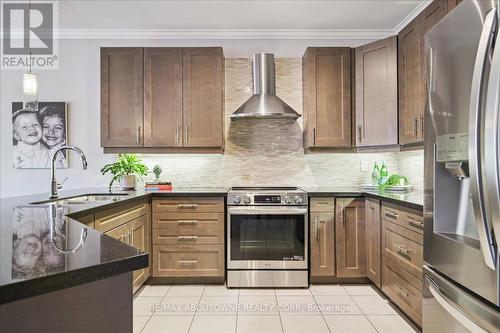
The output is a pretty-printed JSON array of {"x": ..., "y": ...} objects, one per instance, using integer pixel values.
[{"x": 267, "y": 237}]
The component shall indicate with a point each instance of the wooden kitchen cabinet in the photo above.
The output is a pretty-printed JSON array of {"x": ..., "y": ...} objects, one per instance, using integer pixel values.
[
  {"x": 129, "y": 223},
  {"x": 411, "y": 72},
  {"x": 452, "y": 4},
  {"x": 376, "y": 97},
  {"x": 411, "y": 84},
  {"x": 135, "y": 233},
  {"x": 402, "y": 258},
  {"x": 373, "y": 245},
  {"x": 121, "y": 97},
  {"x": 322, "y": 236},
  {"x": 162, "y": 99},
  {"x": 433, "y": 13},
  {"x": 202, "y": 97},
  {"x": 350, "y": 237},
  {"x": 326, "y": 73},
  {"x": 188, "y": 239},
  {"x": 140, "y": 231}
]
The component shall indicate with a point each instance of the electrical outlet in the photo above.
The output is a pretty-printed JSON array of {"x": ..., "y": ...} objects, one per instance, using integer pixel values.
[{"x": 364, "y": 166}]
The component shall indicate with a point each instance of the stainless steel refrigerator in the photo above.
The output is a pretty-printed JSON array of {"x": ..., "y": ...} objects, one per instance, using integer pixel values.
[{"x": 462, "y": 172}]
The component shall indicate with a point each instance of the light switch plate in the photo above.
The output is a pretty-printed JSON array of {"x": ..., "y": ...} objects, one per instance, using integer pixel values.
[{"x": 364, "y": 166}]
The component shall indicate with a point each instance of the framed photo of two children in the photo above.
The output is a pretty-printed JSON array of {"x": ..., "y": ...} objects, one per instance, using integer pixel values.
[{"x": 37, "y": 135}]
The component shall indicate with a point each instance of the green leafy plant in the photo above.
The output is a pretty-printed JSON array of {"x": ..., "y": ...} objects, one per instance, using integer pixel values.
[
  {"x": 157, "y": 170},
  {"x": 126, "y": 164},
  {"x": 394, "y": 180}
]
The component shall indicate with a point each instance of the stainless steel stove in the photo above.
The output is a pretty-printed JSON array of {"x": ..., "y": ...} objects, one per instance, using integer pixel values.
[{"x": 267, "y": 238}]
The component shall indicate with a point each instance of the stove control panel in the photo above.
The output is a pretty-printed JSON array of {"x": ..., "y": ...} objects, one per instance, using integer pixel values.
[
  {"x": 267, "y": 199},
  {"x": 271, "y": 199}
]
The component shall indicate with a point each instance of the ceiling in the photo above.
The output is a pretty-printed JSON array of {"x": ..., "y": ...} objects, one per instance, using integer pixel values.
[{"x": 276, "y": 17}]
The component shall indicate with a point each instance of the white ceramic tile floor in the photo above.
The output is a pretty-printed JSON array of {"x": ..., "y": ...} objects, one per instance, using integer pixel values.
[{"x": 321, "y": 308}]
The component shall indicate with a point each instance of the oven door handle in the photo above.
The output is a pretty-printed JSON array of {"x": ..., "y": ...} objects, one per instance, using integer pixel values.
[{"x": 279, "y": 210}]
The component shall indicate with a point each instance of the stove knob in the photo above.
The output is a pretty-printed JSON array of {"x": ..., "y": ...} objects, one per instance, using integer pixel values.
[
  {"x": 298, "y": 199},
  {"x": 246, "y": 200},
  {"x": 237, "y": 199},
  {"x": 287, "y": 199}
]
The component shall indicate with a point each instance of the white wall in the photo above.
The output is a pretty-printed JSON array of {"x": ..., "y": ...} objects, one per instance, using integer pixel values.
[{"x": 77, "y": 82}]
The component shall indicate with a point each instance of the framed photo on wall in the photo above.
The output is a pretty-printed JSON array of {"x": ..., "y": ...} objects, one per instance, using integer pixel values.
[{"x": 37, "y": 135}]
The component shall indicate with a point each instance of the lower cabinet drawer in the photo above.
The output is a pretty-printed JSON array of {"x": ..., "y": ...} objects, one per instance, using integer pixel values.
[
  {"x": 193, "y": 221},
  {"x": 403, "y": 246},
  {"x": 189, "y": 205},
  {"x": 188, "y": 260},
  {"x": 183, "y": 236},
  {"x": 403, "y": 288}
]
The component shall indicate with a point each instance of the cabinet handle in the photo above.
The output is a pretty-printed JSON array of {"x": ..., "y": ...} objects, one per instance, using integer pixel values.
[
  {"x": 187, "y": 206},
  {"x": 415, "y": 126},
  {"x": 422, "y": 125},
  {"x": 187, "y": 222},
  {"x": 187, "y": 133},
  {"x": 187, "y": 262},
  {"x": 403, "y": 291},
  {"x": 360, "y": 131},
  {"x": 315, "y": 228},
  {"x": 314, "y": 136},
  {"x": 187, "y": 238},
  {"x": 177, "y": 132},
  {"x": 402, "y": 251},
  {"x": 341, "y": 215},
  {"x": 138, "y": 138},
  {"x": 418, "y": 225},
  {"x": 391, "y": 215},
  {"x": 131, "y": 237}
]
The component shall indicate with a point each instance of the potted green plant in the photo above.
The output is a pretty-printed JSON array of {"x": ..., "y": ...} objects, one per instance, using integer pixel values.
[
  {"x": 125, "y": 169},
  {"x": 157, "y": 170}
]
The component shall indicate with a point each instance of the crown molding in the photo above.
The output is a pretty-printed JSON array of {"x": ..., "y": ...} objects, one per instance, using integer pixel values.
[
  {"x": 421, "y": 6},
  {"x": 214, "y": 34}
]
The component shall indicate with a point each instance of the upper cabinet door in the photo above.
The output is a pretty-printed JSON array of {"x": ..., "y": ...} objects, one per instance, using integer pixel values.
[
  {"x": 121, "y": 97},
  {"x": 434, "y": 12},
  {"x": 203, "y": 97},
  {"x": 376, "y": 93},
  {"x": 431, "y": 15},
  {"x": 163, "y": 97},
  {"x": 452, "y": 4},
  {"x": 411, "y": 84},
  {"x": 327, "y": 97}
]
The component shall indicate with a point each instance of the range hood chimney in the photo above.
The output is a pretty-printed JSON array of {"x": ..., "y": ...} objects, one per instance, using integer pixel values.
[{"x": 264, "y": 103}]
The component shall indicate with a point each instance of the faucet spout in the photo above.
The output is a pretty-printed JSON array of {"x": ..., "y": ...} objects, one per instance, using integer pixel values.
[{"x": 54, "y": 186}]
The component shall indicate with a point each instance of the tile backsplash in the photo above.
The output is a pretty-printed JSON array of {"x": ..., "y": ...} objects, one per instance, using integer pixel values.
[{"x": 270, "y": 152}]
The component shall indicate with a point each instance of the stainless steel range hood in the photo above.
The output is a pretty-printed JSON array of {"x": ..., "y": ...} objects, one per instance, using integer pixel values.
[{"x": 264, "y": 103}]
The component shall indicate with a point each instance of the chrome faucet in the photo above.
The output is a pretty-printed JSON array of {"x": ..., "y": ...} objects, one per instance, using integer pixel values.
[{"x": 54, "y": 186}]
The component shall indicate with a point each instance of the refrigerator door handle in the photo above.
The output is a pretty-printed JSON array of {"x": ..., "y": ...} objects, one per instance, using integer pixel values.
[
  {"x": 451, "y": 308},
  {"x": 492, "y": 138},
  {"x": 475, "y": 147}
]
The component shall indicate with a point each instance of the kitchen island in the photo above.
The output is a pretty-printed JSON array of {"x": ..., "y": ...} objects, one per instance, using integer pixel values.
[{"x": 58, "y": 275}]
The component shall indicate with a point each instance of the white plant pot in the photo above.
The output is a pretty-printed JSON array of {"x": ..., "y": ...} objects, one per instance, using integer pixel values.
[{"x": 128, "y": 182}]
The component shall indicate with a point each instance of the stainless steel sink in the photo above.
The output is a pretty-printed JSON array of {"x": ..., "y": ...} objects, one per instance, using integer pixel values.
[{"x": 84, "y": 199}]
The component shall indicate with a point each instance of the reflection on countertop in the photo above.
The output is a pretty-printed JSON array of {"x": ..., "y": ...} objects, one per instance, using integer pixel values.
[{"x": 44, "y": 250}]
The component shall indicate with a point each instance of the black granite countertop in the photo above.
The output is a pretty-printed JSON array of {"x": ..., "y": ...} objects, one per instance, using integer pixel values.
[
  {"x": 36, "y": 238},
  {"x": 413, "y": 199}
]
